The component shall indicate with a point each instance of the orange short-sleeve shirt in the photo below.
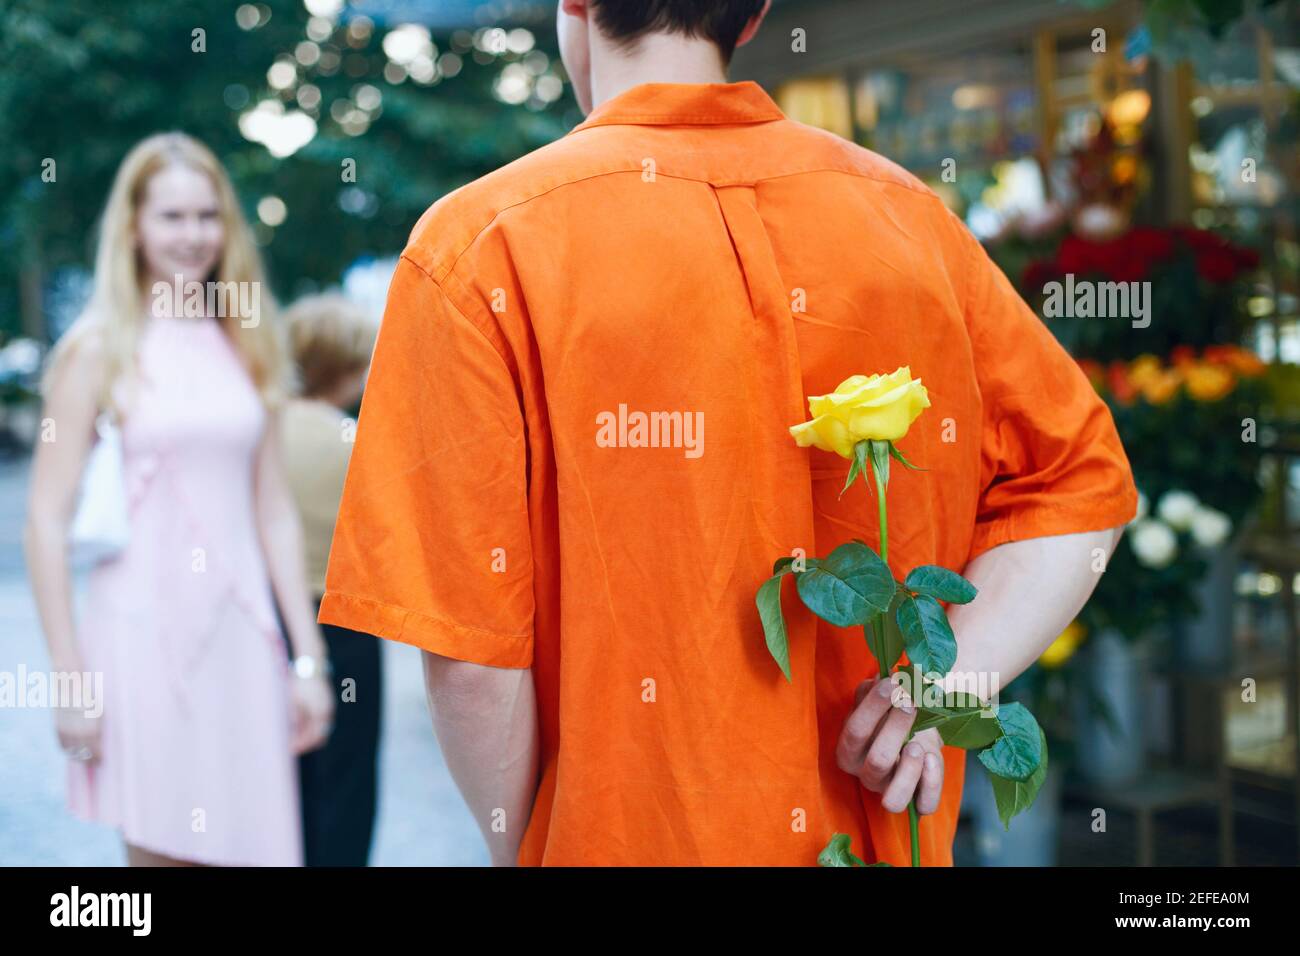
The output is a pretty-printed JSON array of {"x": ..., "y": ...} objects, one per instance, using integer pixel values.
[{"x": 573, "y": 455}]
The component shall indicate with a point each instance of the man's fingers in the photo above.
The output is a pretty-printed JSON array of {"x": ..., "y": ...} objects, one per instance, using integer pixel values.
[
  {"x": 882, "y": 756},
  {"x": 927, "y": 798},
  {"x": 903, "y": 784},
  {"x": 861, "y": 726},
  {"x": 862, "y": 690}
]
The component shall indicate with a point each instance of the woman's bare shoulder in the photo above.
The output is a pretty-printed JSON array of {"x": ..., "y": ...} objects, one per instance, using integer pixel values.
[{"x": 81, "y": 354}]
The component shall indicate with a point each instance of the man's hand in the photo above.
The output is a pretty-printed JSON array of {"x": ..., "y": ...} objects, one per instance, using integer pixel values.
[{"x": 871, "y": 748}]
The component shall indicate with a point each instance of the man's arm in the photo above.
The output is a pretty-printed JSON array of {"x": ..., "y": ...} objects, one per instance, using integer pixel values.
[
  {"x": 1029, "y": 591},
  {"x": 485, "y": 719}
]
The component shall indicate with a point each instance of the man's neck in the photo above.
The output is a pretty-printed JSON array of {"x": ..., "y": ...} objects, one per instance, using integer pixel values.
[{"x": 658, "y": 58}]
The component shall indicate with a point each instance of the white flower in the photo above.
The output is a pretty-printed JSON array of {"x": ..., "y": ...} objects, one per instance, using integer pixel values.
[
  {"x": 1176, "y": 509},
  {"x": 1143, "y": 506},
  {"x": 1210, "y": 528},
  {"x": 1154, "y": 543}
]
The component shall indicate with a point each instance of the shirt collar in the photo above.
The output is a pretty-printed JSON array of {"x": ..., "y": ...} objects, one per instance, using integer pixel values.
[{"x": 686, "y": 104}]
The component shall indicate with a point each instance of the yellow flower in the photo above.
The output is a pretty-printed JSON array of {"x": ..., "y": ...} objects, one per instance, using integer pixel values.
[
  {"x": 880, "y": 407},
  {"x": 1161, "y": 387},
  {"x": 1143, "y": 369},
  {"x": 1209, "y": 383},
  {"x": 1063, "y": 648}
]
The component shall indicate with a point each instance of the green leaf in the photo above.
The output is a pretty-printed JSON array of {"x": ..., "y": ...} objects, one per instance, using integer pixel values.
[
  {"x": 940, "y": 583},
  {"x": 769, "y": 612},
  {"x": 839, "y": 853},
  {"x": 954, "y": 704},
  {"x": 880, "y": 460},
  {"x": 847, "y": 587},
  {"x": 927, "y": 634},
  {"x": 899, "y": 456},
  {"x": 1018, "y": 752},
  {"x": 971, "y": 730},
  {"x": 1016, "y": 796},
  {"x": 858, "y": 466},
  {"x": 787, "y": 564},
  {"x": 888, "y": 652}
]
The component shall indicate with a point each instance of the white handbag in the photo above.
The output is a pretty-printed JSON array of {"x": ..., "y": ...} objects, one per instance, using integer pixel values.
[{"x": 101, "y": 526}]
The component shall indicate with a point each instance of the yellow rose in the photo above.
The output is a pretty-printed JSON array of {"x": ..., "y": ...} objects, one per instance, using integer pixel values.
[{"x": 880, "y": 407}]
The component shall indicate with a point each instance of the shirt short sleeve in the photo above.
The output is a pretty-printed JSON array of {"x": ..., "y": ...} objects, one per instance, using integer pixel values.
[
  {"x": 431, "y": 546},
  {"x": 1051, "y": 458}
]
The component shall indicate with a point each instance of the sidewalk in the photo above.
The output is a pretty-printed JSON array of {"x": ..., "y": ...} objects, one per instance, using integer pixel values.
[{"x": 422, "y": 819}]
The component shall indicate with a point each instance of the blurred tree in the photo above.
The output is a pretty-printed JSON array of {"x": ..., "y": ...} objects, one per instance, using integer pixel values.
[{"x": 82, "y": 81}]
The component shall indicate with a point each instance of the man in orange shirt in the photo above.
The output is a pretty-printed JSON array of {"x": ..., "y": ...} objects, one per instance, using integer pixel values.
[{"x": 573, "y": 467}]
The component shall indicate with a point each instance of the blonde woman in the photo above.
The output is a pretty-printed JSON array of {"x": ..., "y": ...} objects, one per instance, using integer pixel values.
[{"x": 193, "y": 757}]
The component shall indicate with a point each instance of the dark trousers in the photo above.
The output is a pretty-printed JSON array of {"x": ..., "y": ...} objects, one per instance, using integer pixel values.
[{"x": 340, "y": 780}]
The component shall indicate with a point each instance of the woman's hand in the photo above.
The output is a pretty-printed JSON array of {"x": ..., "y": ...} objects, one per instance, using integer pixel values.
[
  {"x": 871, "y": 747},
  {"x": 78, "y": 734},
  {"x": 313, "y": 708}
]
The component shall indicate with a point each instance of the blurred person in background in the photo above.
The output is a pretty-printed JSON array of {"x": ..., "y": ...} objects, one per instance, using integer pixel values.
[
  {"x": 192, "y": 759},
  {"x": 332, "y": 339}
]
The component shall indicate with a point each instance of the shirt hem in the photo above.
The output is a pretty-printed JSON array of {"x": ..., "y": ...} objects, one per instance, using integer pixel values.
[
  {"x": 1045, "y": 520},
  {"x": 448, "y": 639}
]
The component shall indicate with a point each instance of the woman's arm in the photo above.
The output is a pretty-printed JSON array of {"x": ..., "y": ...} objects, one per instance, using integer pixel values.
[
  {"x": 67, "y": 434},
  {"x": 280, "y": 532}
]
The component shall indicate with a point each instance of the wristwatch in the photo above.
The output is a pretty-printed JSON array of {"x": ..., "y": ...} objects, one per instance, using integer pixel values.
[{"x": 307, "y": 667}]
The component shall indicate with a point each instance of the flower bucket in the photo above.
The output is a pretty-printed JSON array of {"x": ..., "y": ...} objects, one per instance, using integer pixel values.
[
  {"x": 1114, "y": 672},
  {"x": 1205, "y": 642},
  {"x": 1035, "y": 833}
]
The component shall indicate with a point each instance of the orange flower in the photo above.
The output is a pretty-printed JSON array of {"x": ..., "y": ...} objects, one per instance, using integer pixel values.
[
  {"x": 1209, "y": 383},
  {"x": 1242, "y": 361},
  {"x": 1182, "y": 355},
  {"x": 1161, "y": 387}
]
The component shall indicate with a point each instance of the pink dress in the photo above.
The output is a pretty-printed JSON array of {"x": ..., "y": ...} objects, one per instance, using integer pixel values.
[{"x": 197, "y": 760}]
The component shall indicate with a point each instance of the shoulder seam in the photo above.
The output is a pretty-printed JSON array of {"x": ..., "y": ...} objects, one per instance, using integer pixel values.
[{"x": 459, "y": 311}]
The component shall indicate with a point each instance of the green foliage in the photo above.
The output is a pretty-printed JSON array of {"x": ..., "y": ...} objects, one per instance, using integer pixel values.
[
  {"x": 769, "y": 610},
  {"x": 1016, "y": 796},
  {"x": 84, "y": 81},
  {"x": 838, "y": 853},
  {"x": 848, "y": 587},
  {"x": 941, "y": 584},
  {"x": 1018, "y": 752},
  {"x": 927, "y": 635}
]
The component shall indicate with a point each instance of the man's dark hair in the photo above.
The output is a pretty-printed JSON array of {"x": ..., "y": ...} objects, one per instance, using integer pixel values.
[{"x": 626, "y": 21}]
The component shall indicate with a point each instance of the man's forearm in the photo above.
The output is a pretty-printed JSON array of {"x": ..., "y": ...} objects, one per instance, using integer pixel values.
[
  {"x": 485, "y": 719},
  {"x": 1029, "y": 591}
]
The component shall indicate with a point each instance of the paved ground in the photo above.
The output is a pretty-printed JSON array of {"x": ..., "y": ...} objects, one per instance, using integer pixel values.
[{"x": 422, "y": 819}]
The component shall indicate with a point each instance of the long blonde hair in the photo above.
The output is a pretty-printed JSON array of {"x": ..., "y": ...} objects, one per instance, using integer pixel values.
[{"x": 115, "y": 313}]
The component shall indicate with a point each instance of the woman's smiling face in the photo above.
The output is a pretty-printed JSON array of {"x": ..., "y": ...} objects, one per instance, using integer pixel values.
[{"x": 178, "y": 227}]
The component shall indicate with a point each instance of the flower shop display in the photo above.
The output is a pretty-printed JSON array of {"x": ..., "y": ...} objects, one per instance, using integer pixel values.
[{"x": 1194, "y": 278}]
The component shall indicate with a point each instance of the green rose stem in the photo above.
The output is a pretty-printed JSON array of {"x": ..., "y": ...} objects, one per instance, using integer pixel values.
[{"x": 880, "y": 472}]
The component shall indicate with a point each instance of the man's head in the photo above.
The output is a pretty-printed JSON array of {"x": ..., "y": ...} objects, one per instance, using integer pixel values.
[{"x": 596, "y": 33}]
